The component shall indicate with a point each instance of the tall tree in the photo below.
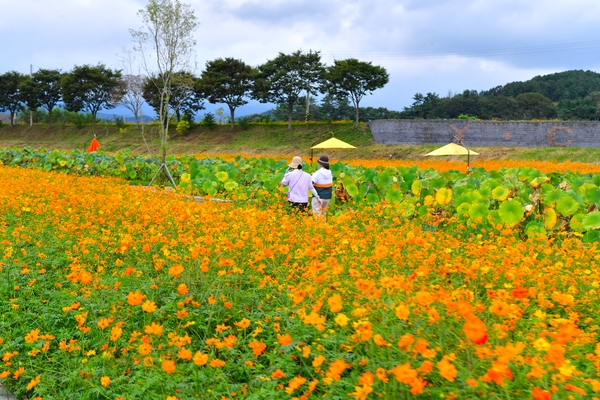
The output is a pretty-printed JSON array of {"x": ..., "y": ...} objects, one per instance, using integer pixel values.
[
  {"x": 227, "y": 81},
  {"x": 43, "y": 90},
  {"x": 282, "y": 79},
  {"x": 184, "y": 99},
  {"x": 166, "y": 44},
  {"x": 354, "y": 79},
  {"x": 12, "y": 98},
  {"x": 91, "y": 88},
  {"x": 133, "y": 85}
]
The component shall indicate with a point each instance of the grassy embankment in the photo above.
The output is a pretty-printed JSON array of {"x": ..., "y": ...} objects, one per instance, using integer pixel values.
[{"x": 259, "y": 139}]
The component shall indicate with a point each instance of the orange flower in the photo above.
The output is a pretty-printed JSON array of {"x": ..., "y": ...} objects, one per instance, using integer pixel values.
[
  {"x": 135, "y": 298},
  {"x": 447, "y": 370},
  {"x": 200, "y": 359},
  {"x": 257, "y": 347},
  {"x": 149, "y": 306},
  {"x": 277, "y": 374},
  {"x": 499, "y": 308},
  {"x": 182, "y": 289},
  {"x": 32, "y": 336},
  {"x": 184, "y": 354},
  {"x": 154, "y": 329},
  {"x": 105, "y": 381},
  {"x": 476, "y": 330},
  {"x": 33, "y": 382},
  {"x": 168, "y": 366},
  {"x": 176, "y": 270},
  {"x": 284, "y": 340},
  {"x": 18, "y": 373},
  {"x": 402, "y": 312},
  {"x": 215, "y": 362},
  {"x": 243, "y": 324},
  {"x": 335, "y": 303}
]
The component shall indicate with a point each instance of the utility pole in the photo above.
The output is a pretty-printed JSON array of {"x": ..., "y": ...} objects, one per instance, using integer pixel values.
[{"x": 30, "y": 111}]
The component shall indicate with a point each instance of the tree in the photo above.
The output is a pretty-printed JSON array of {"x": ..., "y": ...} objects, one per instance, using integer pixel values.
[
  {"x": 43, "y": 90},
  {"x": 165, "y": 42},
  {"x": 227, "y": 81},
  {"x": 336, "y": 107},
  {"x": 281, "y": 80},
  {"x": 132, "y": 86},
  {"x": 11, "y": 94},
  {"x": 535, "y": 106},
  {"x": 183, "y": 101},
  {"x": 91, "y": 88},
  {"x": 354, "y": 79}
]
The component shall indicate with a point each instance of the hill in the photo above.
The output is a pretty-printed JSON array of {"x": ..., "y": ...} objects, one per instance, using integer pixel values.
[{"x": 569, "y": 95}]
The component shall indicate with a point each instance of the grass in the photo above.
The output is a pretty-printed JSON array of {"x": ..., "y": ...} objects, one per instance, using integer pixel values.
[{"x": 260, "y": 139}]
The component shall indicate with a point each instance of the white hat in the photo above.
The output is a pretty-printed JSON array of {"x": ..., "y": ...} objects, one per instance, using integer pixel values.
[{"x": 295, "y": 162}]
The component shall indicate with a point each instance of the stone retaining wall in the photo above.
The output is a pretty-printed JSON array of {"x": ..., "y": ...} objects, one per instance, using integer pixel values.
[{"x": 487, "y": 133}]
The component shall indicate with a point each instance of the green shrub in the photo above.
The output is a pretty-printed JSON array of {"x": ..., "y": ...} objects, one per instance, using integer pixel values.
[
  {"x": 183, "y": 126},
  {"x": 244, "y": 123},
  {"x": 209, "y": 121}
]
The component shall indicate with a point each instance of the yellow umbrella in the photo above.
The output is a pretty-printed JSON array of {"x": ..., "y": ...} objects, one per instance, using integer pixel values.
[
  {"x": 331, "y": 143},
  {"x": 453, "y": 149}
]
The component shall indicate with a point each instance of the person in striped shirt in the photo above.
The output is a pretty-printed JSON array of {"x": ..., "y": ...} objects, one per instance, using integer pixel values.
[{"x": 322, "y": 180}]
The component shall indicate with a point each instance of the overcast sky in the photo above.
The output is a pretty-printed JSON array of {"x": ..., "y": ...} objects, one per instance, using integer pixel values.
[{"x": 425, "y": 45}]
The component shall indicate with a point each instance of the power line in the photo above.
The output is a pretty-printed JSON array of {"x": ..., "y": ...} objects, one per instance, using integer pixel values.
[{"x": 424, "y": 55}]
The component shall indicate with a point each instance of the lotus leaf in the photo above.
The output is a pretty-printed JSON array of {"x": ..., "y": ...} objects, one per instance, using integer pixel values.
[
  {"x": 537, "y": 182},
  {"x": 550, "y": 219},
  {"x": 372, "y": 198},
  {"x": 576, "y": 223},
  {"x": 462, "y": 211},
  {"x": 567, "y": 206},
  {"x": 478, "y": 211},
  {"x": 394, "y": 196},
  {"x": 222, "y": 176},
  {"x": 591, "y": 221},
  {"x": 534, "y": 230},
  {"x": 443, "y": 196},
  {"x": 511, "y": 212},
  {"x": 230, "y": 185},
  {"x": 500, "y": 193},
  {"x": 415, "y": 187}
]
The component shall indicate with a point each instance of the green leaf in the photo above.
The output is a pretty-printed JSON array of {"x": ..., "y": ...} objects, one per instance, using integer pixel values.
[
  {"x": 478, "y": 210},
  {"x": 591, "y": 221},
  {"x": 352, "y": 189},
  {"x": 416, "y": 187},
  {"x": 576, "y": 223},
  {"x": 462, "y": 211},
  {"x": 443, "y": 196},
  {"x": 394, "y": 196},
  {"x": 500, "y": 193},
  {"x": 372, "y": 198},
  {"x": 533, "y": 229},
  {"x": 222, "y": 176},
  {"x": 567, "y": 206},
  {"x": 511, "y": 212},
  {"x": 230, "y": 185}
]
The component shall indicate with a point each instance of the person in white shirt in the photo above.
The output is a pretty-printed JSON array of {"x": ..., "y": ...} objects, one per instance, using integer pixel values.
[
  {"x": 299, "y": 183},
  {"x": 322, "y": 180}
]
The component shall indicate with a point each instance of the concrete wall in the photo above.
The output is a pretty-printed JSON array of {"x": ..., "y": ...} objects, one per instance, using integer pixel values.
[{"x": 487, "y": 133}]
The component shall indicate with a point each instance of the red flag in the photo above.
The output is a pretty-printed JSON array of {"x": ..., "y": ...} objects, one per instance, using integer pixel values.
[{"x": 94, "y": 146}]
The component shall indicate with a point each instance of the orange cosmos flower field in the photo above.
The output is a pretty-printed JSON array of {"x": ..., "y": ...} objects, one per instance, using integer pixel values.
[{"x": 116, "y": 292}]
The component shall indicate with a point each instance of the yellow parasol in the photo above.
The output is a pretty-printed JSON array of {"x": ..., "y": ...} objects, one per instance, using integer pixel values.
[
  {"x": 454, "y": 149},
  {"x": 331, "y": 143}
]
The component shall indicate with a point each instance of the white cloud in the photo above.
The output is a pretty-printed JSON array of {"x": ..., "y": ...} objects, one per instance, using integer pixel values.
[{"x": 426, "y": 45}]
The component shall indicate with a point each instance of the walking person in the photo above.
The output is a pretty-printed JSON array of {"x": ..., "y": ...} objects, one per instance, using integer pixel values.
[
  {"x": 322, "y": 180},
  {"x": 299, "y": 183}
]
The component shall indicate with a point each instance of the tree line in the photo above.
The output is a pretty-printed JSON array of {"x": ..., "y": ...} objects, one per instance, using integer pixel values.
[
  {"x": 291, "y": 81},
  {"x": 569, "y": 95}
]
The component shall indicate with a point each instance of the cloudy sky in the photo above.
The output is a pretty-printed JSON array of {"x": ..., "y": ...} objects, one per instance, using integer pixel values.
[{"x": 425, "y": 45}]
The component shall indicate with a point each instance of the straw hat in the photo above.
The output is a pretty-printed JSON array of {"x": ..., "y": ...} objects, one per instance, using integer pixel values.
[
  {"x": 295, "y": 162},
  {"x": 323, "y": 161}
]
